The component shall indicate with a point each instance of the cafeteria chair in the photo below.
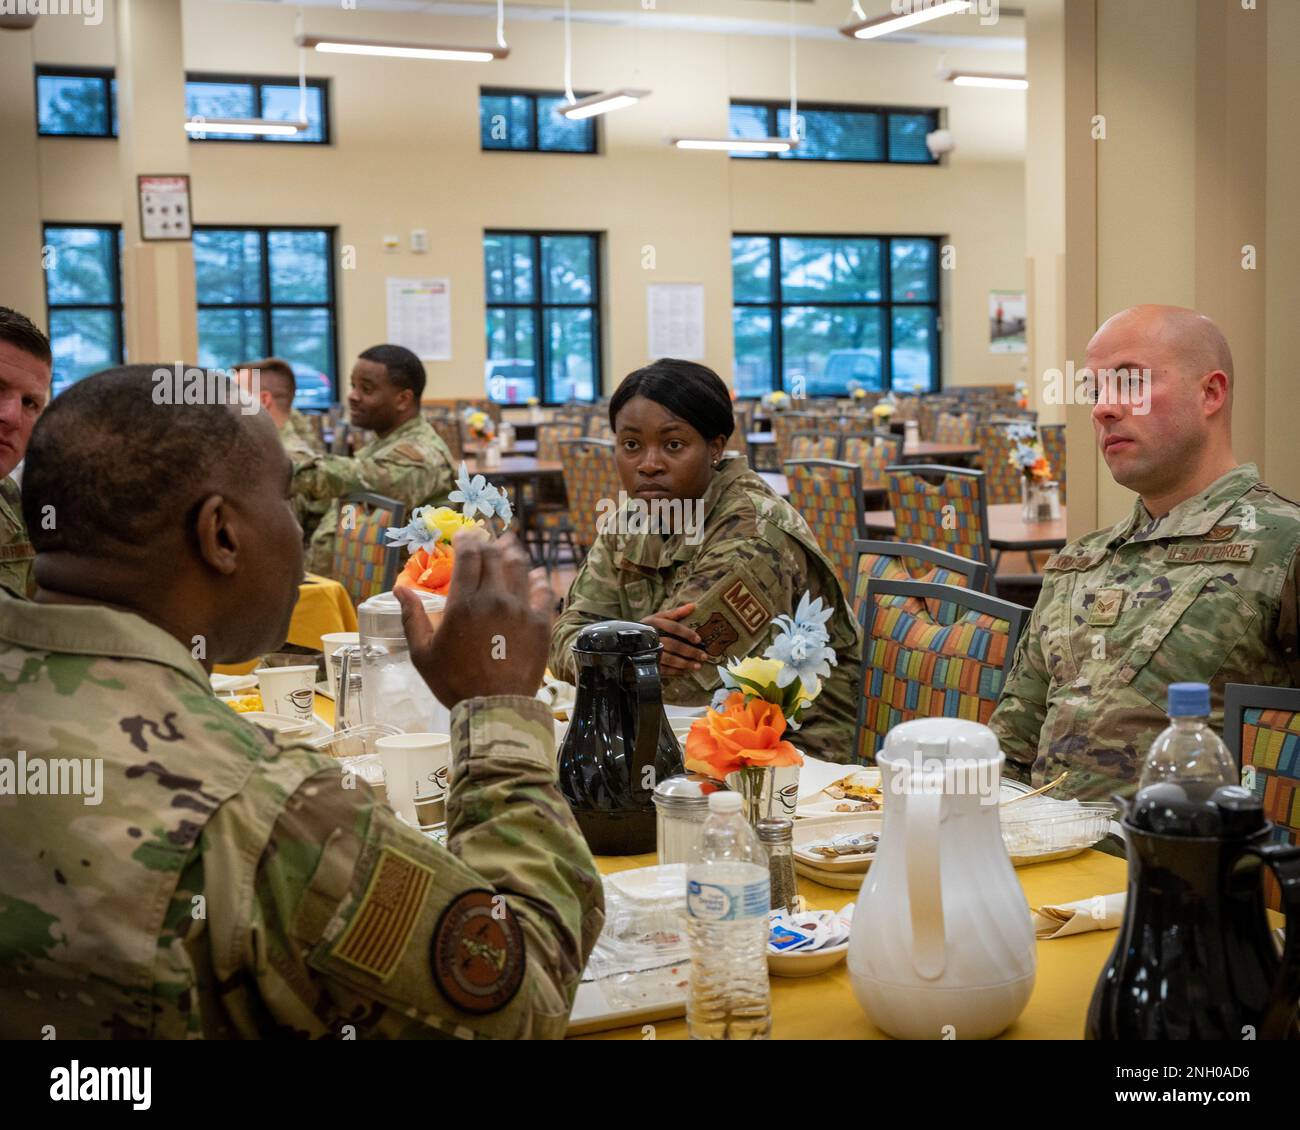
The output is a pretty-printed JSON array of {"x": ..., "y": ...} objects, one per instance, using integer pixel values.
[
  {"x": 814, "y": 445},
  {"x": 931, "y": 408},
  {"x": 364, "y": 564},
  {"x": 1003, "y": 480},
  {"x": 590, "y": 476},
  {"x": 950, "y": 428},
  {"x": 951, "y": 514},
  {"x": 931, "y": 651},
  {"x": 899, "y": 561},
  {"x": 547, "y": 524},
  {"x": 739, "y": 438},
  {"x": 873, "y": 452},
  {"x": 784, "y": 426},
  {"x": 828, "y": 493},
  {"x": 1261, "y": 728},
  {"x": 448, "y": 428},
  {"x": 1053, "y": 437}
]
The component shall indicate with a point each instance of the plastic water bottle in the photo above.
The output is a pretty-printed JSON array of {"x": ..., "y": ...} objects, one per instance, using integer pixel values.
[
  {"x": 727, "y": 895},
  {"x": 1187, "y": 762}
]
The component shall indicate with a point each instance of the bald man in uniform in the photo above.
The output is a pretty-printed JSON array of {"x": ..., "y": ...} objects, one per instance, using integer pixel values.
[{"x": 1197, "y": 584}]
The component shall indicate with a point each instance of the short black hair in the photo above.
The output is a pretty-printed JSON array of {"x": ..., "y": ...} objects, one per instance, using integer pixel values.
[
  {"x": 283, "y": 390},
  {"x": 403, "y": 367},
  {"x": 117, "y": 465},
  {"x": 694, "y": 393},
  {"x": 20, "y": 331}
]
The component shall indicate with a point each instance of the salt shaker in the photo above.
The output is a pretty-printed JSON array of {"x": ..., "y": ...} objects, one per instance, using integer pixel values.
[{"x": 777, "y": 836}]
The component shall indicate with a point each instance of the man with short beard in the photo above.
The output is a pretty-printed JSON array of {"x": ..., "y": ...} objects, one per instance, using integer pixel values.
[
  {"x": 1197, "y": 584},
  {"x": 25, "y": 361}
]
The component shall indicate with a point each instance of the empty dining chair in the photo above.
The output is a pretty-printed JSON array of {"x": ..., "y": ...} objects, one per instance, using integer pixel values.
[
  {"x": 1002, "y": 477},
  {"x": 1261, "y": 728},
  {"x": 784, "y": 426},
  {"x": 828, "y": 493},
  {"x": 548, "y": 525},
  {"x": 902, "y": 561},
  {"x": 931, "y": 651},
  {"x": 1053, "y": 437},
  {"x": 814, "y": 445},
  {"x": 364, "y": 563},
  {"x": 953, "y": 428},
  {"x": 873, "y": 452},
  {"x": 950, "y": 513},
  {"x": 590, "y": 476}
]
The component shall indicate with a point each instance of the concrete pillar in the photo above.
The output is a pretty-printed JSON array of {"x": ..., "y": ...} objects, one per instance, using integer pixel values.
[{"x": 158, "y": 277}]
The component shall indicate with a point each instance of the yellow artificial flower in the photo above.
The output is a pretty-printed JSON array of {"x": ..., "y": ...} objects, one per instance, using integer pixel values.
[
  {"x": 477, "y": 420},
  {"x": 761, "y": 671},
  {"x": 446, "y": 522},
  {"x": 884, "y": 408},
  {"x": 859, "y": 394},
  {"x": 778, "y": 396}
]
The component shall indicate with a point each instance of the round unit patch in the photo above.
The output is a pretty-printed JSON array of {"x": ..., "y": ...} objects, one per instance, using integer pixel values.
[{"x": 478, "y": 952}]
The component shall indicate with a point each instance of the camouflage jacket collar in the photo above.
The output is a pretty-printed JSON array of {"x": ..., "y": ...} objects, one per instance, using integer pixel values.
[
  {"x": 94, "y": 630},
  {"x": 413, "y": 427},
  {"x": 1193, "y": 517},
  {"x": 657, "y": 551}
]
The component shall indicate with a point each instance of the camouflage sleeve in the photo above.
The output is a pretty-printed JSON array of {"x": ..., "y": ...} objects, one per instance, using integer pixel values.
[
  {"x": 738, "y": 585},
  {"x": 1288, "y": 621},
  {"x": 370, "y": 929},
  {"x": 593, "y": 597},
  {"x": 402, "y": 472},
  {"x": 1022, "y": 707}
]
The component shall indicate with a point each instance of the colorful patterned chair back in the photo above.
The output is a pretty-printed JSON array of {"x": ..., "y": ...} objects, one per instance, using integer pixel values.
[
  {"x": 907, "y": 408},
  {"x": 1002, "y": 480},
  {"x": 364, "y": 563},
  {"x": 449, "y": 429},
  {"x": 739, "y": 438},
  {"x": 949, "y": 428},
  {"x": 1261, "y": 727},
  {"x": 931, "y": 651},
  {"x": 899, "y": 561},
  {"x": 931, "y": 408},
  {"x": 785, "y": 424},
  {"x": 873, "y": 452},
  {"x": 549, "y": 436},
  {"x": 828, "y": 494},
  {"x": 814, "y": 445},
  {"x": 1053, "y": 437},
  {"x": 921, "y": 513},
  {"x": 597, "y": 424},
  {"x": 590, "y": 475}
]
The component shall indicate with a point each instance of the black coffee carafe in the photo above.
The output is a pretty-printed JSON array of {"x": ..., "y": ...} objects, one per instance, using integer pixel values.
[
  {"x": 1195, "y": 957},
  {"x": 619, "y": 743}
]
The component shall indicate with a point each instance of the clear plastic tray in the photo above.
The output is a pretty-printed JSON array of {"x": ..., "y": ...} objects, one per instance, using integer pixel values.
[
  {"x": 644, "y": 938},
  {"x": 1041, "y": 827}
]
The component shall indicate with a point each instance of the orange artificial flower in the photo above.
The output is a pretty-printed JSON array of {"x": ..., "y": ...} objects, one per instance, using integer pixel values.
[
  {"x": 430, "y": 571},
  {"x": 740, "y": 735},
  {"x": 1040, "y": 468}
]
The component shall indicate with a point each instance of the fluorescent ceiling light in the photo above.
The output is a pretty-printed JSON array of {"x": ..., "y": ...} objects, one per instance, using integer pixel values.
[
  {"x": 601, "y": 103},
  {"x": 924, "y": 11},
  {"x": 992, "y": 82},
  {"x": 262, "y": 126},
  {"x": 737, "y": 144},
  {"x": 403, "y": 50}
]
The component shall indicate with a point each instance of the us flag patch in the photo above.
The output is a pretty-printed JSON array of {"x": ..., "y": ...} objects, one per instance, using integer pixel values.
[{"x": 383, "y": 923}]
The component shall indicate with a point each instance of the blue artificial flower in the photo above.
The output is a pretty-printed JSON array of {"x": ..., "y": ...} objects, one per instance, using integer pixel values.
[
  {"x": 1022, "y": 433},
  {"x": 1026, "y": 457},
  {"x": 477, "y": 496},
  {"x": 416, "y": 534},
  {"x": 801, "y": 646}
]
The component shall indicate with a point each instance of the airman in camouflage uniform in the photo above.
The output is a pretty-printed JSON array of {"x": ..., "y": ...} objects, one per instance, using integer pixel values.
[
  {"x": 411, "y": 464},
  {"x": 228, "y": 886},
  {"x": 1206, "y": 593},
  {"x": 299, "y": 437},
  {"x": 16, "y": 552},
  {"x": 755, "y": 558}
]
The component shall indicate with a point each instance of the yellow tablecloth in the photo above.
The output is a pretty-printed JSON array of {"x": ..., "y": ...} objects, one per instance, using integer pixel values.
[
  {"x": 824, "y": 1008},
  {"x": 323, "y": 607}
]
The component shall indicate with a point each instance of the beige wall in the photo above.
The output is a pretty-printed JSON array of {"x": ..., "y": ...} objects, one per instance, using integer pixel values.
[{"x": 406, "y": 155}]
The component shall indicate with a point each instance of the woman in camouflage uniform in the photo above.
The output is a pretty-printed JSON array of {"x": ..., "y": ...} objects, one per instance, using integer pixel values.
[{"x": 734, "y": 555}]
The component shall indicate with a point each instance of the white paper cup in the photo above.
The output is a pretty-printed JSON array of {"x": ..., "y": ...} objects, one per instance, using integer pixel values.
[
  {"x": 416, "y": 772},
  {"x": 330, "y": 643},
  {"x": 288, "y": 691}
]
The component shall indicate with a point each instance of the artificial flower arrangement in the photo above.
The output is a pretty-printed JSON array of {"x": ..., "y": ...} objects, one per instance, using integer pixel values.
[
  {"x": 532, "y": 402},
  {"x": 480, "y": 424},
  {"x": 884, "y": 408},
  {"x": 1022, "y": 395},
  {"x": 1027, "y": 453},
  {"x": 429, "y": 533},
  {"x": 760, "y": 699},
  {"x": 776, "y": 400},
  {"x": 859, "y": 393}
]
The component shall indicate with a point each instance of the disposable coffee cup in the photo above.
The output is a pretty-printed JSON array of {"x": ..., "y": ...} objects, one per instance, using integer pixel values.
[
  {"x": 416, "y": 768},
  {"x": 288, "y": 691},
  {"x": 330, "y": 644}
]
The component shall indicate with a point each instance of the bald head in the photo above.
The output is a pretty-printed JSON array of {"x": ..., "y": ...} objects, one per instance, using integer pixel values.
[{"x": 1189, "y": 341}]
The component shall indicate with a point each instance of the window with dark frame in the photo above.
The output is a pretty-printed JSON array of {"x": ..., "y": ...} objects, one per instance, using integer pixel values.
[
  {"x": 76, "y": 102},
  {"x": 817, "y": 315},
  {"x": 269, "y": 292},
  {"x": 83, "y": 294},
  {"x": 543, "y": 316},
  {"x": 835, "y": 132},
  {"x": 526, "y": 121},
  {"x": 210, "y": 95}
]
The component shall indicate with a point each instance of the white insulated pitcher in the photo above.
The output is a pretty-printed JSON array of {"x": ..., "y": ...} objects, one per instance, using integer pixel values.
[{"x": 942, "y": 945}]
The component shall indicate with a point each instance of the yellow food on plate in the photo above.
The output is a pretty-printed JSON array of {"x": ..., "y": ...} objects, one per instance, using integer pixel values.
[
  {"x": 861, "y": 785},
  {"x": 244, "y": 703}
]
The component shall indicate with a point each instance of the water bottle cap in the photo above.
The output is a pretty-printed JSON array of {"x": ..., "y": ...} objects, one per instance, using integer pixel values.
[
  {"x": 724, "y": 802},
  {"x": 1189, "y": 700}
]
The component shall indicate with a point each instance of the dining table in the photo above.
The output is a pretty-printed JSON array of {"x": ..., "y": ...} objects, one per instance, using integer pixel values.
[
  {"x": 323, "y": 607},
  {"x": 520, "y": 447},
  {"x": 518, "y": 469},
  {"x": 1008, "y": 529},
  {"x": 919, "y": 451}
]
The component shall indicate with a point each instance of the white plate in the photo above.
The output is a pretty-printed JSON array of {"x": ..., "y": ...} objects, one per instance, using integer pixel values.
[
  {"x": 840, "y": 880},
  {"x": 799, "y": 964},
  {"x": 684, "y": 711},
  {"x": 289, "y": 728},
  {"x": 824, "y": 828},
  {"x": 819, "y": 804},
  {"x": 232, "y": 684}
]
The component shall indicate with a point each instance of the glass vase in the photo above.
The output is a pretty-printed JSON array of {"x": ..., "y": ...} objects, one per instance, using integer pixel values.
[{"x": 755, "y": 786}]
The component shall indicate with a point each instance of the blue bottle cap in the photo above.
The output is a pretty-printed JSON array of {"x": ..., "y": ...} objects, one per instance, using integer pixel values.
[{"x": 1189, "y": 700}]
